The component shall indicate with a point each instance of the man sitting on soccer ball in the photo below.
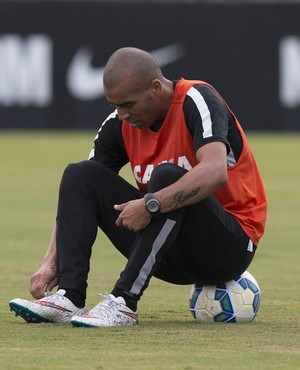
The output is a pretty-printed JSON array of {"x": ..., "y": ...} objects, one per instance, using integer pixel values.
[{"x": 196, "y": 217}]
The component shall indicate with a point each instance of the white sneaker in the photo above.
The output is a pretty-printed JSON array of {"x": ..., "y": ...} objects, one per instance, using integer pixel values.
[
  {"x": 111, "y": 311},
  {"x": 54, "y": 308}
]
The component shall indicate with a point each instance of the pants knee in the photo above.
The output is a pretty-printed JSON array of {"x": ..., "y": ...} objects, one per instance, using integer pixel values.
[
  {"x": 164, "y": 175},
  {"x": 73, "y": 172},
  {"x": 82, "y": 169},
  {"x": 76, "y": 175}
]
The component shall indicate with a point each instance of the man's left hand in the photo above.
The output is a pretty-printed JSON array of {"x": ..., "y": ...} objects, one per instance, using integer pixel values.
[{"x": 133, "y": 216}]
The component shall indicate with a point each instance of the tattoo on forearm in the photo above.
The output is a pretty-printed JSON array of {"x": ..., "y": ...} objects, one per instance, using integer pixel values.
[{"x": 180, "y": 198}]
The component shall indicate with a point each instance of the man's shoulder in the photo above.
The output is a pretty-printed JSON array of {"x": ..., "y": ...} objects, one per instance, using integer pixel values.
[
  {"x": 111, "y": 123},
  {"x": 201, "y": 84}
]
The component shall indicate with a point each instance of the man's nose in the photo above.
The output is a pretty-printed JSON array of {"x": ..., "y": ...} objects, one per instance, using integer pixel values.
[{"x": 123, "y": 114}]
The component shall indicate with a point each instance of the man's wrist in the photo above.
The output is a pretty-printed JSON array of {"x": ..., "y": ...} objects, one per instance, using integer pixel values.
[{"x": 152, "y": 205}]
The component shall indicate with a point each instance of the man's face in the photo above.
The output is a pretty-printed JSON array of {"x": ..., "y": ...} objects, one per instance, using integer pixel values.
[{"x": 139, "y": 107}]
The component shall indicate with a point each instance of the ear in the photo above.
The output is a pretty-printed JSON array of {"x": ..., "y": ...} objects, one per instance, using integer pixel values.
[{"x": 156, "y": 86}]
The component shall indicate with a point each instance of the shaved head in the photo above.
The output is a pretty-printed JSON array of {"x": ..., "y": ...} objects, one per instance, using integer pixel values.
[{"x": 131, "y": 64}]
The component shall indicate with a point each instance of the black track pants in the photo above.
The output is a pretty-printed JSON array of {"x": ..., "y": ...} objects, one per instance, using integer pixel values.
[{"x": 199, "y": 243}]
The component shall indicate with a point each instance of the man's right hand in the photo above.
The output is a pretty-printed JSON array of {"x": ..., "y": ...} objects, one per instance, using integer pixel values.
[{"x": 44, "y": 280}]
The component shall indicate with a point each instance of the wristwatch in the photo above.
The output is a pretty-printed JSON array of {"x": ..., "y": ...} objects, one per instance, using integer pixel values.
[{"x": 152, "y": 205}]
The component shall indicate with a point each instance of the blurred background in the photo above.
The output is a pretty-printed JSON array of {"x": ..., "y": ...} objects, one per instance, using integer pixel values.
[{"x": 52, "y": 55}]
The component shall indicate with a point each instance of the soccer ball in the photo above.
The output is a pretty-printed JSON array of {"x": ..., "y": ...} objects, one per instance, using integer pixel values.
[{"x": 236, "y": 300}]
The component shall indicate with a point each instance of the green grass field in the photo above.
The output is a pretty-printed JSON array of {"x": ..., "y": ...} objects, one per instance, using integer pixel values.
[{"x": 167, "y": 337}]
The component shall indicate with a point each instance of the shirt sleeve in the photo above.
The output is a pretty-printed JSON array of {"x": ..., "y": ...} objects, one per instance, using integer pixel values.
[
  {"x": 109, "y": 148},
  {"x": 206, "y": 116}
]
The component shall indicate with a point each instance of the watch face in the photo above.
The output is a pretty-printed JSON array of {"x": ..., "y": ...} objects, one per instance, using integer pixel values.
[{"x": 153, "y": 205}]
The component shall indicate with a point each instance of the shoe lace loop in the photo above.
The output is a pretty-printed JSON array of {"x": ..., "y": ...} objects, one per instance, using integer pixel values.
[
  {"x": 48, "y": 294},
  {"x": 106, "y": 306}
]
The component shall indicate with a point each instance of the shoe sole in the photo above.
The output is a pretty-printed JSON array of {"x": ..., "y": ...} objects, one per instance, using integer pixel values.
[
  {"x": 78, "y": 324},
  {"x": 29, "y": 316}
]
